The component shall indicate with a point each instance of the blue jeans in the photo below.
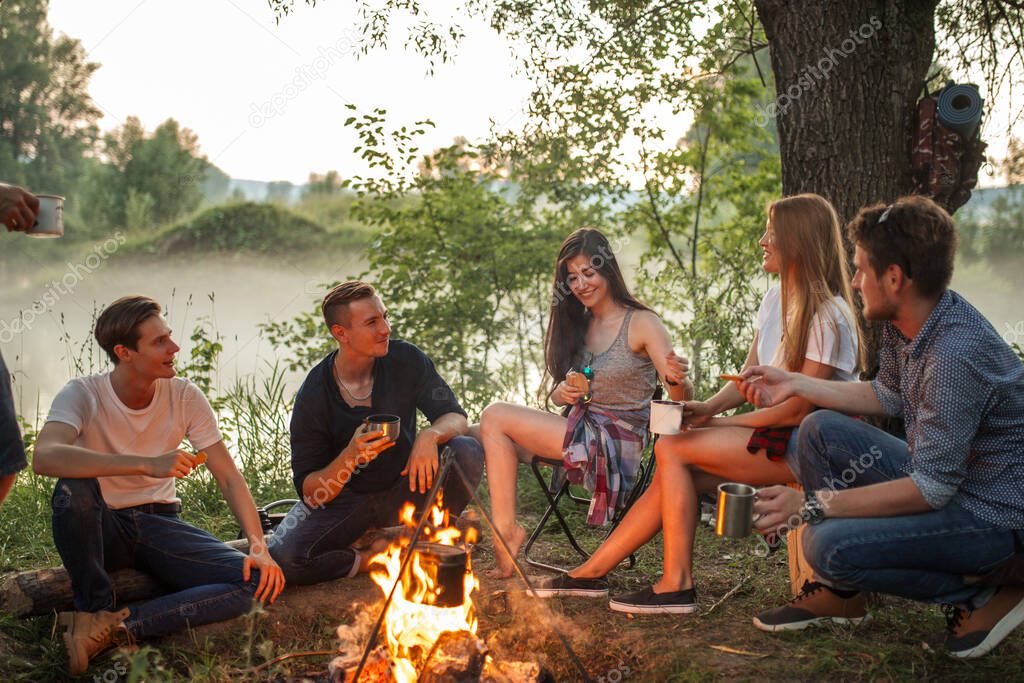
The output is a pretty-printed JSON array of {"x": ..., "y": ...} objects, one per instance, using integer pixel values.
[
  {"x": 312, "y": 544},
  {"x": 924, "y": 556},
  {"x": 94, "y": 540}
]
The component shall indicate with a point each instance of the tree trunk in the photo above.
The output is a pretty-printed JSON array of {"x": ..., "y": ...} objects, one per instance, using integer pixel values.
[{"x": 848, "y": 74}]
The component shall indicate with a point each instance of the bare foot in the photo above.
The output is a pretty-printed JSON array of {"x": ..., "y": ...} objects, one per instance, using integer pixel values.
[{"x": 504, "y": 567}]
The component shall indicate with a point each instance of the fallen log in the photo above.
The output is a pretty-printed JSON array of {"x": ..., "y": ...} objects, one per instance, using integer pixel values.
[{"x": 42, "y": 591}]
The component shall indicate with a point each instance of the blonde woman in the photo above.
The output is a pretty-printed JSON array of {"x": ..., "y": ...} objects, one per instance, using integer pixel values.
[{"x": 806, "y": 324}]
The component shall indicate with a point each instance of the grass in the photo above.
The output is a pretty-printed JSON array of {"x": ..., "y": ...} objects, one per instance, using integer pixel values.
[
  {"x": 717, "y": 642},
  {"x": 705, "y": 646}
]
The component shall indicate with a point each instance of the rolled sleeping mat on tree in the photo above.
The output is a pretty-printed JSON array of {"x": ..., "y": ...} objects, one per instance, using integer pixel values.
[{"x": 960, "y": 108}]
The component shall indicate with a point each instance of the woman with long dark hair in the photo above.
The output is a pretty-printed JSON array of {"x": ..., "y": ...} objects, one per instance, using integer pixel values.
[
  {"x": 806, "y": 324},
  {"x": 604, "y": 352}
]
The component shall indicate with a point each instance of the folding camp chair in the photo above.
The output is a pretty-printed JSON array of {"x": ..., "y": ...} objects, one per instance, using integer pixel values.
[{"x": 558, "y": 487}]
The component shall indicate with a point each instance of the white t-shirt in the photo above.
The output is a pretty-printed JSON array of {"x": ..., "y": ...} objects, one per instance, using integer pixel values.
[
  {"x": 178, "y": 410},
  {"x": 821, "y": 340}
]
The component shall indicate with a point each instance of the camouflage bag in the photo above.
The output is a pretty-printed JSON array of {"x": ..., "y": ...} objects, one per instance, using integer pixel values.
[{"x": 943, "y": 165}]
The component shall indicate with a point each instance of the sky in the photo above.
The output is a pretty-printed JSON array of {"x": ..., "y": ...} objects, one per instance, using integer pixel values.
[{"x": 267, "y": 100}]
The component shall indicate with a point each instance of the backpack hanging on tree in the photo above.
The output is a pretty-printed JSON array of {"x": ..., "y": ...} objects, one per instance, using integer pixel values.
[{"x": 947, "y": 148}]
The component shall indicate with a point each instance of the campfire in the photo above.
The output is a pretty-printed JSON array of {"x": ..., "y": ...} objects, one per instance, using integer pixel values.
[
  {"x": 433, "y": 598},
  {"x": 429, "y": 624}
]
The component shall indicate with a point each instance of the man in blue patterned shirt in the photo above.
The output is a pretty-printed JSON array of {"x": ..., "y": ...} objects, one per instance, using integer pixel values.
[{"x": 920, "y": 518}]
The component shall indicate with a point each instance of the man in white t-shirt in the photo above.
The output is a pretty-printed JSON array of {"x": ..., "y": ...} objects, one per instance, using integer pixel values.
[{"x": 113, "y": 440}]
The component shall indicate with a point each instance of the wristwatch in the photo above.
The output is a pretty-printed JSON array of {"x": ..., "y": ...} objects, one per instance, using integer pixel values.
[{"x": 812, "y": 511}]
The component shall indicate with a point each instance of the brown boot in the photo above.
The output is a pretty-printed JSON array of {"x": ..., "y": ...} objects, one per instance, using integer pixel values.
[
  {"x": 972, "y": 633},
  {"x": 816, "y": 604},
  {"x": 89, "y": 633}
]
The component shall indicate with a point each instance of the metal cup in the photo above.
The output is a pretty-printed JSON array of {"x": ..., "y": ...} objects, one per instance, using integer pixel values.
[
  {"x": 50, "y": 221},
  {"x": 383, "y": 422},
  {"x": 666, "y": 417},
  {"x": 735, "y": 510}
]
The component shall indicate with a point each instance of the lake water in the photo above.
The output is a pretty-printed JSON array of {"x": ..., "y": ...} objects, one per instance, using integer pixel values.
[
  {"x": 47, "y": 313},
  {"x": 41, "y": 349}
]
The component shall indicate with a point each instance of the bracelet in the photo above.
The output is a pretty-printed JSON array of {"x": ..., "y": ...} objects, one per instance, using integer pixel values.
[{"x": 670, "y": 382}]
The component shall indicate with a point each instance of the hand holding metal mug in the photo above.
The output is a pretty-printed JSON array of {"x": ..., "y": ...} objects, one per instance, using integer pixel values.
[
  {"x": 667, "y": 417},
  {"x": 735, "y": 516}
]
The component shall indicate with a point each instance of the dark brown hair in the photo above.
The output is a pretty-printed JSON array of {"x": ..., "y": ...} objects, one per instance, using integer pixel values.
[
  {"x": 336, "y": 301},
  {"x": 568, "y": 318},
  {"x": 119, "y": 323},
  {"x": 913, "y": 233}
]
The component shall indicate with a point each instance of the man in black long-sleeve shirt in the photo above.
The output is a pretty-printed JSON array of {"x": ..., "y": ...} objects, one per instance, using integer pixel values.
[{"x": 351, "y": 480}]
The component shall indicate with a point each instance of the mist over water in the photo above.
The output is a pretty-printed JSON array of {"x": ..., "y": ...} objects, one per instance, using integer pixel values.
[
  {"x": 53, "y": 336},
  {"x": 55, "y": 328}
]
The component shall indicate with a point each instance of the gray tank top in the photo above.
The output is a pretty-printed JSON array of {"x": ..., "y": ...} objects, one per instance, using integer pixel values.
[{"x": 623, "y": 380}]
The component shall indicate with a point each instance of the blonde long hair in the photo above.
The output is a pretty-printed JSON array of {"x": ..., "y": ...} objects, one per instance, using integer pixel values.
[{"x": 813, "y": 270}]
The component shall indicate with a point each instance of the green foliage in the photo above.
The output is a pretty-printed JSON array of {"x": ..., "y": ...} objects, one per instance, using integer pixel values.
[
  {"x": 47, "y": 120},
  {"x": 203, "y": 355},
  {"x": 279, "y": 191},
  {"x": 333, "y": 210},
  {"x": 464, "y": 268},
  {"x": 328, "y": 183},
  {"x": 304, "y": 337},
  {"x": 705, "y": 231},
  {"x": 215, "y": 185},
  {"x": 240, "y": 229},
  {"x": 147, "y": 179}
]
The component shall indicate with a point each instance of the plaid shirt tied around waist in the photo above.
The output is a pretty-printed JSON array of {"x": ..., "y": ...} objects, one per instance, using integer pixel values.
[{"x": 602, "y": 452}]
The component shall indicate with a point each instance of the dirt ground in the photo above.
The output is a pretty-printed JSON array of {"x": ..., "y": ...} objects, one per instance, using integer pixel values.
[{"x": 901, "y": 642}]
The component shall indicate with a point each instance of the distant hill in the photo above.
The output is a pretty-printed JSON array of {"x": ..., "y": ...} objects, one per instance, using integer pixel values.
[
  {"x": 981, "y": 199},
  {"x": 261, "y": 190},
  {"x": 244, "y": 228},
  {"x": 219, "y": 187}
]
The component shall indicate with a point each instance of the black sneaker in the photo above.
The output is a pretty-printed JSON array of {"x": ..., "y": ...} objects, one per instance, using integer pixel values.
[
  {"x": 567, "y": 586},
  {"x": 646, "y": 601}
]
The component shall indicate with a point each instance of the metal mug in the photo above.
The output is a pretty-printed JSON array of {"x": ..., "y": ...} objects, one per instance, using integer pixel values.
[
  {"x": 735, "y": 517},
  {"x": 667, "y": 417},
  {"x": 50, "y": 221},
  {"x": 383, "y": 422}
]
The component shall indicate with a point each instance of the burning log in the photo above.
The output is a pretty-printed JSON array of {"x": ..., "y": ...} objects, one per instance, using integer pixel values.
[
  {"x": 428, "y": 624},
  {"x": 516, "y": 672},
  {"x": 378, "y": 669},
  {"x": 457, "y": 657}
]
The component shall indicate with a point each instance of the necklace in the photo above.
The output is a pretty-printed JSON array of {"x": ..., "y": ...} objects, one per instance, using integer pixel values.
[{"x": 337, "y": 377}]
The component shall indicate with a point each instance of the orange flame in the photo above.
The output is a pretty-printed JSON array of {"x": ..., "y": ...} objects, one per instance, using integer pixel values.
[{"x": 413, "y": 625}]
